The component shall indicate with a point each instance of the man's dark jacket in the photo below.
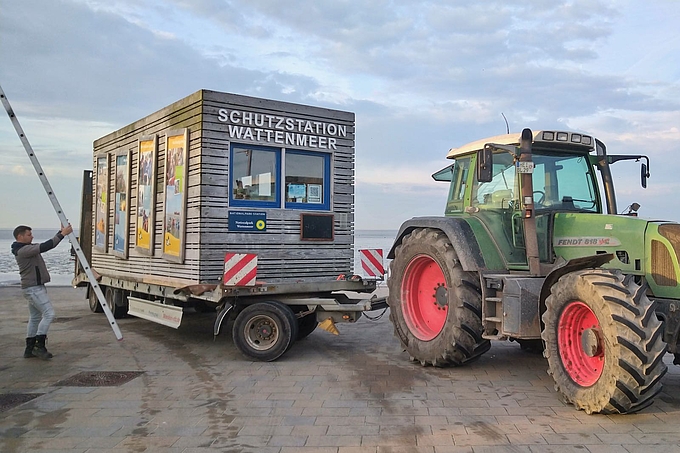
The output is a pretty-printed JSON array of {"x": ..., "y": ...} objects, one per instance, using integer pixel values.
[{"x": 31, "y": 264}]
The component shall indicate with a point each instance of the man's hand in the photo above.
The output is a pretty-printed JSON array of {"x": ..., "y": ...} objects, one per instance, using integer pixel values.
[{"x": 66, "y": 230}]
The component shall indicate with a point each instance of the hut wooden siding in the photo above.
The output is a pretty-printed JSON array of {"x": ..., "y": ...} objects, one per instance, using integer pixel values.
[{"x": 282, "y": 255}]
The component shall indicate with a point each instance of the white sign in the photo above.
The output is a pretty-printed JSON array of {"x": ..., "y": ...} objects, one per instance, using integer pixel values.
[
  {"x": 168, "y": 315},
  {"x": 525, "y": 167}
]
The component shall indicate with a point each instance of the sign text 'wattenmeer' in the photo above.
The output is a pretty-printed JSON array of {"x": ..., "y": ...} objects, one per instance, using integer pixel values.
[{"x": 282, "y": 130}]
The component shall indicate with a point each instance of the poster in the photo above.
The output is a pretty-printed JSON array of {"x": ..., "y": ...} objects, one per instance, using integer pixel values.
[
  {"x": 101, "y": 203},
  {"x": 146, "y": 195},
  {"x": 120, "y": 225},
  {"x": 175, "y": 195}
]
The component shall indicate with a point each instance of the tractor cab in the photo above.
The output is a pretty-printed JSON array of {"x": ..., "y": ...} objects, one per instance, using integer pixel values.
[{"x": 504, "y": 188}]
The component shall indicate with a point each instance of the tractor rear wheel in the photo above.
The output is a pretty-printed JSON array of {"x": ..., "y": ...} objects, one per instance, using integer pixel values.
[
  {"x": 603, "y": 342},
  {"x": 435, "y": 306}
]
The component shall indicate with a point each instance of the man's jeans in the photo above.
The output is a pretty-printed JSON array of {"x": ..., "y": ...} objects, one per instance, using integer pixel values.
[{"x": 40, "y": 310}]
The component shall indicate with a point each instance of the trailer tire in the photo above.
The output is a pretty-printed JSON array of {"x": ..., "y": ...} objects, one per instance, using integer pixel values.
[
  {"x": 95, "y": 306},
  {"x": 306, "y": 325},
  {"x": 435, "y": 306},
  {"x": 603, "y": 342},
  {"x": 116, "y": 302},
  {"x": 265, "y": 330}
]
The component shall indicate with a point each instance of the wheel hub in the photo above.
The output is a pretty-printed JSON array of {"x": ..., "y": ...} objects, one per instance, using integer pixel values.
[
  {"x": 591, "y": 342},
  {"x": 441, "y": 296},
  {"x": 264, "y": 331}
]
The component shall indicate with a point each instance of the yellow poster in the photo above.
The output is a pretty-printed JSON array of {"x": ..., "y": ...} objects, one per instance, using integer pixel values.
[
  {"x": 145, "y": 194},
  {"x": 175, "y": 195}
]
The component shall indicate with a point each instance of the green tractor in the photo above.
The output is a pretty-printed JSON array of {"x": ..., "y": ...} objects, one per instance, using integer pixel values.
[{"x": 527, "y": 253}]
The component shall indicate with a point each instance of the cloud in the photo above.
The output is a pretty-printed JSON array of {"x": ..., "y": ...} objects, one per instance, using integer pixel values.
[{"x": 421, "y": 77}]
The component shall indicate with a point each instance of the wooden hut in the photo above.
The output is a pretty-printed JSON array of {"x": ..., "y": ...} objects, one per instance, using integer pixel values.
[{"x": 216, "y": 173}]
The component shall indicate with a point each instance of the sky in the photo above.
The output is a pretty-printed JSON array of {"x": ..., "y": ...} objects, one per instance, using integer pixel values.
[{"x": 421, "y": 77}]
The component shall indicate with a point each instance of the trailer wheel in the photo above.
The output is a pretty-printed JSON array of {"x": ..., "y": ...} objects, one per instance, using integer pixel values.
[
  {"x": 265, "y": 330},
  {"x": 306, "y": 325},
  {"x": 95, "y": 306},
  {"x": 603, "y": 342},
  {"x": 435, "y": 306},
  {"x": 116, "y": 302}
]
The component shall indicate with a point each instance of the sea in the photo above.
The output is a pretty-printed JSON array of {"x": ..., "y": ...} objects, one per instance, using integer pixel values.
[{"x": 61, "y": 264}]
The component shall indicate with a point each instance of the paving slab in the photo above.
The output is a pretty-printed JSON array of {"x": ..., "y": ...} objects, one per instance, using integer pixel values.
[{"x": 356, "y": 392}]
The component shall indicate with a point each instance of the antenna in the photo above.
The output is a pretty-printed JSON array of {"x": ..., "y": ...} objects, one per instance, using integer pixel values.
[{"x": 507, "y": 128}]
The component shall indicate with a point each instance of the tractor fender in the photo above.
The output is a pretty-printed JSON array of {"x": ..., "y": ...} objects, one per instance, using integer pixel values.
[
  {"x": 565, "y": 267},
  {"x": 456, "y": 229}
]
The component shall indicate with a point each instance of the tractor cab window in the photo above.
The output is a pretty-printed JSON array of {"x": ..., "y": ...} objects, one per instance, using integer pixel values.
[
  {"x": 564, "y": 182},
  {"x": 501, "y": 190},
  {"x": 458, "y": 176}
]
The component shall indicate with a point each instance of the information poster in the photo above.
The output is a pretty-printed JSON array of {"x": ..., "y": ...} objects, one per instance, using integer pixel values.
[
  {"x": 175, "y": 195},
  {"x": 120, "y": 226},
  {"x": 101, "y": 203},
  {"x": 146, "y": 195}
]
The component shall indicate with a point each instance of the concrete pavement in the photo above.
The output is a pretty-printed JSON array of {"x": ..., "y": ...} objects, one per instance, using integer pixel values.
[{"x": 355, "y": 393}]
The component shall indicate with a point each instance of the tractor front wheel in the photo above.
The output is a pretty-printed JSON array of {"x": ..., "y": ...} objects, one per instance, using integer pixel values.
[
  {"x": 435, "y": 306},
  {"x": 603, "y": 342}
]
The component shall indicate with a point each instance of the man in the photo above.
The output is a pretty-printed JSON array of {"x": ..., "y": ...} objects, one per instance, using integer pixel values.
[{"x": 34, "y": 275}]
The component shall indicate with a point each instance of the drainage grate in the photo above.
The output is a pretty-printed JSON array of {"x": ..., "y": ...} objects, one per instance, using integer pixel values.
[
  {"x": 11, "y": 400},
  {"x": 99, "y": 379}
]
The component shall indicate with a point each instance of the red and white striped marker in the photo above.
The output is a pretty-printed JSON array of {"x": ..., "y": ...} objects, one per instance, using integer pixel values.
[
  {"x": 372, "y": 262},
  {"x": 240, "y": 269}
]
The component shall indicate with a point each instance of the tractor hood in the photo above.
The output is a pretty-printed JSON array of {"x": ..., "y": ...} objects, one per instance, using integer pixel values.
[{"x": 641, "y": 247}]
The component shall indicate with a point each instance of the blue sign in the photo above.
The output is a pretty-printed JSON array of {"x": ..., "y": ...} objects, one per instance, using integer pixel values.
[{"x": 247, "y": 221}]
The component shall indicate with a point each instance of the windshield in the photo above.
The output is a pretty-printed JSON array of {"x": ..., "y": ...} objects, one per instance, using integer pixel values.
[{"x": 560, "y": 182}]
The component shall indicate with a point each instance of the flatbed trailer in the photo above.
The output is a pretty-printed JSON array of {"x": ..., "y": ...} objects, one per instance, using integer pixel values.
[{"x": 277, "y": 314}]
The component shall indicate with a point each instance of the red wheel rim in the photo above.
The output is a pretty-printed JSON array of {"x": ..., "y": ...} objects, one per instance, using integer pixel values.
[
  {"x": 583, "y": 368},
  {"x": 424, "y": 296}
]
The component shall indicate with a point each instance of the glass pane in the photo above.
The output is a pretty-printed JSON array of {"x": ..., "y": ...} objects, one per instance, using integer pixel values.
[
  {"x": 458, "y": 177},
  {"x": 253, "y": 174},
  {"x": 501, "y": 190},
  {"x": 564, "y": 182},
  {"x": 304, "y": 178}
]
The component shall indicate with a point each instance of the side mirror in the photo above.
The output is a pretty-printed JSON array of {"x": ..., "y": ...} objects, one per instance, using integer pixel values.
[
  {"x": 485, "y": 164},
  {"x": 643, "y": 175}
]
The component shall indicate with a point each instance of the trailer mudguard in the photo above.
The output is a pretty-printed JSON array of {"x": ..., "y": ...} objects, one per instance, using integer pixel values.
[{"x": 458, "y": 231}]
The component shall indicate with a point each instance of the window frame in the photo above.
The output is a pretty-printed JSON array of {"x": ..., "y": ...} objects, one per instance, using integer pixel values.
[
  {"x": 326, "y": 205},
  {"x": 235, "y": 202}
]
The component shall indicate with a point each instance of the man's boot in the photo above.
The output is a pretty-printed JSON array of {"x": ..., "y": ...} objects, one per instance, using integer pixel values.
[
  {"x": 40, "y": 350},
  {"x": 30, "y": 344}
]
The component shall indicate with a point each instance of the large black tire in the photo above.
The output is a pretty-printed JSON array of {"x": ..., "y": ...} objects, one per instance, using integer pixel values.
[
  {"x": 306, "y": 325},
  {"x": 117, "y": 302},
  {"x": 435, "y": 306},
  {"x": 95, "y": 306},
  {"x": 603, "y": 342},
  {"x": 265, "y": 330}
]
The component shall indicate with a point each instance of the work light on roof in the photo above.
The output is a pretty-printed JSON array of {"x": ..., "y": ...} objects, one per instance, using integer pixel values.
[
  {"x": 586, "y": 140},
  {"x": 548, "y": 136},
  {"x": 562, "y": 136},
  {"x": 576, "y": 138}
]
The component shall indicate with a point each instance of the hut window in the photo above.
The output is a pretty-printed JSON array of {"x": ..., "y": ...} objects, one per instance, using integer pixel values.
[
  {"x": 255, "y": 176},
  {"x": 307, "y": 177}
]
